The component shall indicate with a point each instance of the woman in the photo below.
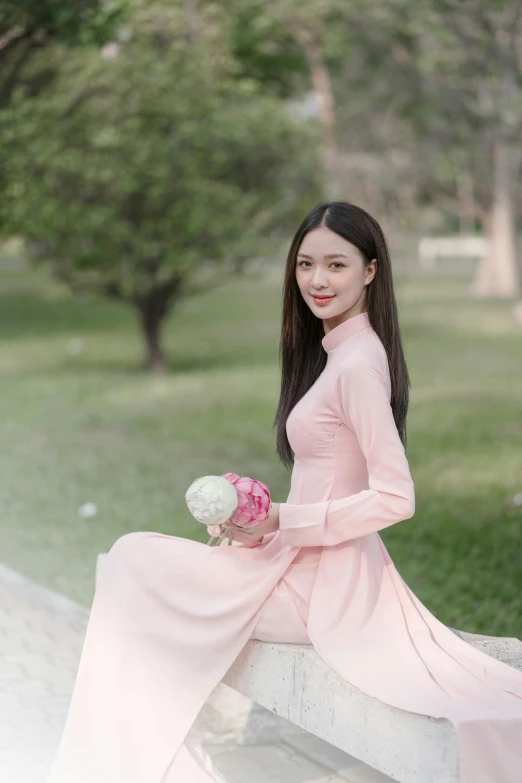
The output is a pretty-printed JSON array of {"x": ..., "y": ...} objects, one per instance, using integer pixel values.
[{"x": 171, "y": 615}]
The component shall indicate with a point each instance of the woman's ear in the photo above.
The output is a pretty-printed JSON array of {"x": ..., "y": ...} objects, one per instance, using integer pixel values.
[{"x": 371, "y": 271}]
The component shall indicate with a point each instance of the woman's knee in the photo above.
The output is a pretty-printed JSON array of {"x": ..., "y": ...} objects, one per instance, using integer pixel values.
[{"x": 126, "y": 545}]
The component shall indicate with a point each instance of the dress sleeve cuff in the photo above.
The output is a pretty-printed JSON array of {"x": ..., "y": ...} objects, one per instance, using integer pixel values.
[{"x": 302, "y": 524}]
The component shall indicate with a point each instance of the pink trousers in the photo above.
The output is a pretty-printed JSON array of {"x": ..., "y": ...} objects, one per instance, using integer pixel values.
[
  {"x": 285, "y": 614},
  {"x": 158, "y": 641}
]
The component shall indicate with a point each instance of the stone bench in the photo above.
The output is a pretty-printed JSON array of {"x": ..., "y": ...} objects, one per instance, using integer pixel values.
[{"x": 293, "y": 681}]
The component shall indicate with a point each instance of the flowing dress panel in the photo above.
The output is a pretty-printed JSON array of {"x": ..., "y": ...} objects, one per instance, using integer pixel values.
[
  {"x": 364, "y": 620},
  {"x": 168, "y": 619}
]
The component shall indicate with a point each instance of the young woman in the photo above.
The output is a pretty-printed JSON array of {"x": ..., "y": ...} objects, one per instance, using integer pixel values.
[{"x": 171, "y": 615}]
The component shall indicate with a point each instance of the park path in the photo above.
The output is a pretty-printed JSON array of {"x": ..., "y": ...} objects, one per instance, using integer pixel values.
[{"x": 41, "y": 638}]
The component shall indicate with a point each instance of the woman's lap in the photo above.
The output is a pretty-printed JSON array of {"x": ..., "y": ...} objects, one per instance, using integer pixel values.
[{"x": 284, "y": 616}]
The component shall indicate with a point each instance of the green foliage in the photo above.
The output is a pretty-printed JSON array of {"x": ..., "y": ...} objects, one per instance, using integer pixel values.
[
  {"x": 71, "y": 21},
  {"x": 138, "y": 168},
  {"x": 266, "y": 50},
  {"x": 152, "y": 158}
]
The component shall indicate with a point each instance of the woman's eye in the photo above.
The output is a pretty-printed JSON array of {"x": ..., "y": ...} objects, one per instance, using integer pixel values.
[{"x": 334, "y": 263}]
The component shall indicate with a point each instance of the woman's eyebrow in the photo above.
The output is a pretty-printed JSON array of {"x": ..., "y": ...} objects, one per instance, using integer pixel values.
[{"x": 331, "y": 255}]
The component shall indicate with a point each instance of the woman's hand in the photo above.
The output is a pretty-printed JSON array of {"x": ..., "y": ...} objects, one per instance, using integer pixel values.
[{"x": 255, "y": 534}]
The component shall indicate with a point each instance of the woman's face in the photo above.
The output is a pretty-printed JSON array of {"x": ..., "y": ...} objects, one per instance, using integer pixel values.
[{"x": 326, "y": 265}]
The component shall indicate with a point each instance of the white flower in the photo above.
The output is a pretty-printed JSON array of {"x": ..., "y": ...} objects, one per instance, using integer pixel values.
[
  {"x": 211, "y": 499},
  {"x": 88, "y": 510}
]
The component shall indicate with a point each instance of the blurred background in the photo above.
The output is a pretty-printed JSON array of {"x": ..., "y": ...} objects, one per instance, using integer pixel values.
[{"x": 156, "y": 157}]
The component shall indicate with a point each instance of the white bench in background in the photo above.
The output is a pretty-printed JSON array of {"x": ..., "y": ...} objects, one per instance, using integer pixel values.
[
  {"x": 431, "y": 248},
  {"x": 294, "y": 682}
]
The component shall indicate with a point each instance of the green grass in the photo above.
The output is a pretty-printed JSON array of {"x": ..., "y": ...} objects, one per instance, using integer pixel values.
[{"x": 94, "y": 427}]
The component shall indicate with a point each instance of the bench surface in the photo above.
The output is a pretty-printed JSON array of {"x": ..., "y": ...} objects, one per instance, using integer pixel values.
[{"x": 293, "y": 681}]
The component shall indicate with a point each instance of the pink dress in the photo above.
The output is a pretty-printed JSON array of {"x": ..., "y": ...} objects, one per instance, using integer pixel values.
[{"x": 171, "y": 615}]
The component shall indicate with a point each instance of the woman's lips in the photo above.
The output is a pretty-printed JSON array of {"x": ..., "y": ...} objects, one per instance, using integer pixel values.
[{"x": 322, "y": 300}]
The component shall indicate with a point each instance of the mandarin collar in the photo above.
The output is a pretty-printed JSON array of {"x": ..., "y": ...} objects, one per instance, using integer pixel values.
[{"x": 344, "y": 330}]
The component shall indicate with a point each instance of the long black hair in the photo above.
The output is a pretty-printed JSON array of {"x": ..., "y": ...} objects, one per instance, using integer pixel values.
[{"x": 301, "y": 355}]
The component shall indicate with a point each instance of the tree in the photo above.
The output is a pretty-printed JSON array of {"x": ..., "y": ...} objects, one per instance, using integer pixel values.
[
  {"x": 459, "y": 92},
  {"x": 357, "y": 59},
  {"x": 151, "y": 161},
  {"x": 473, "y": 48},
  {"x": 281, "y": 41},
  {"x": 28, "y": 26}
]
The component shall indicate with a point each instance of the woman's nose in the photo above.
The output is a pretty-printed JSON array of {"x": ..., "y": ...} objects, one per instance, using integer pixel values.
[{"x": 319, "y": 279}]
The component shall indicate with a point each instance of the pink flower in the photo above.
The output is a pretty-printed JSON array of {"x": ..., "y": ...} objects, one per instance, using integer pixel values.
[{"x": 254, "y": 501}]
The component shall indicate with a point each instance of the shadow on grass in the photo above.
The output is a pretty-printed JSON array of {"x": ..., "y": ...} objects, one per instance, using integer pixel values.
[
  {"x": 31, "y": 314},
  {"x": 122, "y": 367}
]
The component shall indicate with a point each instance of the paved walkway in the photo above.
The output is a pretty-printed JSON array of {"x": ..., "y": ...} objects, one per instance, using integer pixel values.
[{"x": 41, "y": 638}]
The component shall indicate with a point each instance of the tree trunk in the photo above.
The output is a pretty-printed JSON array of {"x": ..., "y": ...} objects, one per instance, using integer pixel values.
[
  {"x": 466, "y": 202},
  {"x": 497, "y": 274},
  {"x": 325, "y": 101},
  {"x": 309, "y": 40},
  {"x": 151, "y": 322},
  {"x": 153, "y": 304}
]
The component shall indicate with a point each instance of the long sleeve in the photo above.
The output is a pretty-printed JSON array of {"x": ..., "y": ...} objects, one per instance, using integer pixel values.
[{"x": 365, "y": 407}]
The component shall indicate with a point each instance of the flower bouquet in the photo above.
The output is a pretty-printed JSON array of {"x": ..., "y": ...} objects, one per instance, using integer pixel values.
[{"x": 228, "y": 502}]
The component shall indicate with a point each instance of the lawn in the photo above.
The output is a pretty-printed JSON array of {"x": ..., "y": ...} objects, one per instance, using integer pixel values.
[{"x": 82, "y": 423}]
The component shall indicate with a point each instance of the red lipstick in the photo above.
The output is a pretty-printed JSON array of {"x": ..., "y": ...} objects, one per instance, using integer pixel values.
[{"x": 322, "y": 300}]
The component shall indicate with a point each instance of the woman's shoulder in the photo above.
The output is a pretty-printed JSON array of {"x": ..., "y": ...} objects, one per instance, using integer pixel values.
[
  {"x": 367, "y": 357},
  {"x": 367, "y": 350}
]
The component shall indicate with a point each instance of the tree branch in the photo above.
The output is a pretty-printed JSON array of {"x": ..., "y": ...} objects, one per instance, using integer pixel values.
[
  {"x": 83, "y": 96},
  {"x": 9, "y": 82},
  {"x": 12, "y": 37}
]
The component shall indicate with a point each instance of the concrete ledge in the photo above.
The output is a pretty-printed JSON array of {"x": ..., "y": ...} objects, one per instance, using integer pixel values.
[{"x": 294, "y": 682}]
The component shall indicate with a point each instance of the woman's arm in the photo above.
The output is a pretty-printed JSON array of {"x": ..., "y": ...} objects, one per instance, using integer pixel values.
[{"x": 365, "y": 406}]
